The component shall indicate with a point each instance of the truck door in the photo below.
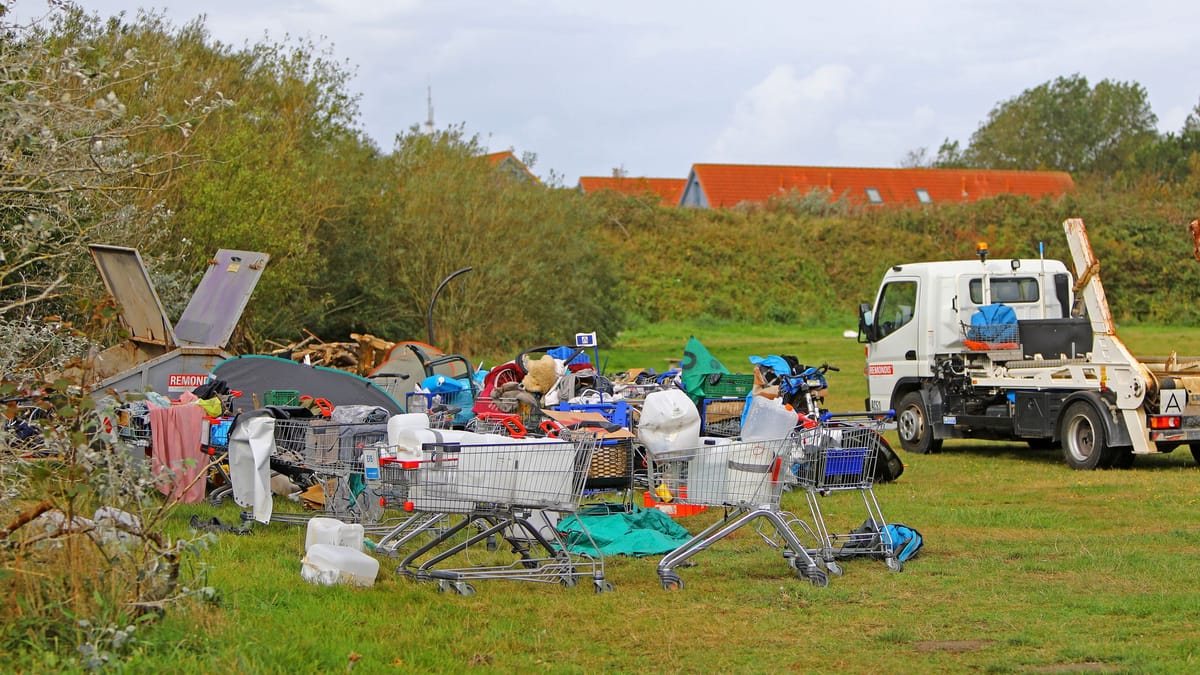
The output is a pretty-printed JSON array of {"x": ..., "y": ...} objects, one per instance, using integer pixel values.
[{"x": 896, "y": 351}]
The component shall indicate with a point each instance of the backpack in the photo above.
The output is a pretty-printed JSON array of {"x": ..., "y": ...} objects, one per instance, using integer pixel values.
[
  {"x": 906, "y": 542},
  {"x": 888, "y": 466}
]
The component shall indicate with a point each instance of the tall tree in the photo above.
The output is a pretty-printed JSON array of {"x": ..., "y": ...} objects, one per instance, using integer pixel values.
[
  {"x": 1065, "y": 125},
  {"x": 77, "y": 156}
]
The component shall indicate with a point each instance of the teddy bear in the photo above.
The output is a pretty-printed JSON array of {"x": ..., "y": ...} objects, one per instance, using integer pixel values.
[{"x": 541, "y": 375}]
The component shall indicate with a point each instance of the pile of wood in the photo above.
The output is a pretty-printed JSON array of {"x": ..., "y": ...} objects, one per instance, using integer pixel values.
[{"x": 361, "y": 356}]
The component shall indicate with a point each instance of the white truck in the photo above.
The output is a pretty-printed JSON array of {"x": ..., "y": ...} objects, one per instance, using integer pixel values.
[{"x": 1050, "y": 372}]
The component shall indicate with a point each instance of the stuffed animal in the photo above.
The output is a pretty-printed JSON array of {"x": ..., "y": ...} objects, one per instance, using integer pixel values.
[{"x": 542, "y": 375}]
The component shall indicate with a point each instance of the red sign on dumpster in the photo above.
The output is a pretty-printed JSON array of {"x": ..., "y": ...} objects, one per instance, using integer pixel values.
[{"x": 185, "y": 381}]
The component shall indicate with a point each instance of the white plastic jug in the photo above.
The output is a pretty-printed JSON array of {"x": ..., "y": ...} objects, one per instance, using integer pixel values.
[
  {"x": 398, "y": 423},
  {"x": 329, "y": 564},
  {"x": 670, "y": 423},
  {"x": 767, "y": 419},
  {"x": 322, "y": 530}
]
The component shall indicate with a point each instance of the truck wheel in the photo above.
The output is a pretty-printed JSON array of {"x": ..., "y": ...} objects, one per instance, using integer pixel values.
[
  {"x": 1083, "y": 441},
  {"x": 1195, "y": 447},
  {"x": 912, "y": 425}
]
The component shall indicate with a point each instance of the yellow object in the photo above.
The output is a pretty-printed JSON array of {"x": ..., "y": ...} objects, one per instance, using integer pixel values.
[
  {"x": 211, "y": 406},
  {"x": 663, "y": 493}
]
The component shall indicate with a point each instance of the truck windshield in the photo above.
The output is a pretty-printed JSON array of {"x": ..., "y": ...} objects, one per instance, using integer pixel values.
[{"x": 896, "y": 304}]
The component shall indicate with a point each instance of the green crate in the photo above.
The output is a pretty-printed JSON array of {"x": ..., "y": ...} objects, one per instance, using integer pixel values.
[
  {"x": 729, "y": 386},
  {"x": 281, "y": 397}
]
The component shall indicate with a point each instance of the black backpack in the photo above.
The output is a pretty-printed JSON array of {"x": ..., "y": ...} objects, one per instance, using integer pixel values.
[{"x": 888, "y": 466}]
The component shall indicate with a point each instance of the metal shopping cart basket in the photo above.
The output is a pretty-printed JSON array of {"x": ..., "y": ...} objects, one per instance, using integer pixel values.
[
  {"x": 744, "y": 477},
  {"x": 514, "y": 490},
  {"x": 329, "y": 455},
  {"x": 839, "y": 455}
]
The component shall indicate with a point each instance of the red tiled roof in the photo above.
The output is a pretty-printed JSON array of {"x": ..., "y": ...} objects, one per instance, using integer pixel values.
[
  {"x": 669, "y": 190},
  {"x": 730, "y": 184},
  {"x": 507, "y": 161}
]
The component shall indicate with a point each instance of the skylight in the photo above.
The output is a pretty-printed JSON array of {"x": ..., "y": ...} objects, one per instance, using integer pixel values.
[
  {"x": 923, "y": 196},
  {"x": 873, "y": 196}
]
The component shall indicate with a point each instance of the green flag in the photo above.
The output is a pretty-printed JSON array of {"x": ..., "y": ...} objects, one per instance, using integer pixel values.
[{"x": 697, "y": 364}]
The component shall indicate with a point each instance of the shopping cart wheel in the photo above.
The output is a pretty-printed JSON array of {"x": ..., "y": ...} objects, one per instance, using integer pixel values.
[
  {"x": 834, "y": 568},
  {"x": 603, "y": 586},
  {"x": 671, "y": 582},
  {"x": 894, "y": 564},
  {"x": 817, "y": 577},
  {"x": 460, "y": 587}
]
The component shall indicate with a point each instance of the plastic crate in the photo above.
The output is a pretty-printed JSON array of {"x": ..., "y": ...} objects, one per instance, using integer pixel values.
[
  {"x": 672, "y": 509},
  {"x": 721, "y": 416},
  {"x": 281, "y": 397},
  {"x": 617, "y": 412},
  {"x": 730, "y": 385}
]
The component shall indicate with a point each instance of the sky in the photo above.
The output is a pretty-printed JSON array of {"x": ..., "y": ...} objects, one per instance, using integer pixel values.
[{"x": 652, "y": 87}]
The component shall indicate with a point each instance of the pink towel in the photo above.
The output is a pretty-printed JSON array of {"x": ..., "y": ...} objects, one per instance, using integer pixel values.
[{"x": 175, "y": 439}]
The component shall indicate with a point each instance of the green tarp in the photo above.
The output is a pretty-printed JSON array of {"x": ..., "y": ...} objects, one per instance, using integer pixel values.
[
  {"x": 616, "y": 531},
  {"x": 696, "y": 367}
]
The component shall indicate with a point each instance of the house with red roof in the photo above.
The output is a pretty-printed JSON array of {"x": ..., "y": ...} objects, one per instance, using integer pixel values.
[
  {"x": 727, "y": 185},
  {"x": 507, "y": 163},
  {"x": 668, "y": 190}
]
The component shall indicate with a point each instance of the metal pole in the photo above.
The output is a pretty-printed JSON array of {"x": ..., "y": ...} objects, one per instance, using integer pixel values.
[{"x": 429, "y": 314}]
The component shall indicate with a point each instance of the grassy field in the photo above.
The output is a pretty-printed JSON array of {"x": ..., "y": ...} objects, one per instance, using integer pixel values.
[{"x": 1027, "y": 566}]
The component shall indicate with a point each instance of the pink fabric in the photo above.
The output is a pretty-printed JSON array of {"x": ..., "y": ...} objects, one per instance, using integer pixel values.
[{"x": 175, "y": 439}]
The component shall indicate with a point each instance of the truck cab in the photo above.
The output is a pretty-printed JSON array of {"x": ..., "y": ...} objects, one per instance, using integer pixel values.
[{"x": 924, "y": 310}]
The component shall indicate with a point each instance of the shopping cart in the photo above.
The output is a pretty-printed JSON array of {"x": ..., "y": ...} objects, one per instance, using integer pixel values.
[
  {"x": 510, "y": 489},
  {"x": 215, "y": 432},
  {"x": 329, "y": 455},
  {"x": 744, "y": 477},
  {"x": 838, "y": 455}
]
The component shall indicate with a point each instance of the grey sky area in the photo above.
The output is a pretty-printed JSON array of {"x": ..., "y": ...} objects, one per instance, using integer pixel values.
[{"x": 655, "y": 86}]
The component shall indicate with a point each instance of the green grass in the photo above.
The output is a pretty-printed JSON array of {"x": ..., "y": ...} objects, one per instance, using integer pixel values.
[{"x": 1027, "y": 566}]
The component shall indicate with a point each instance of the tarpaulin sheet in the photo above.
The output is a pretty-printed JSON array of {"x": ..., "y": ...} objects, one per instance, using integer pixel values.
[{"x": 616, "y": 531}]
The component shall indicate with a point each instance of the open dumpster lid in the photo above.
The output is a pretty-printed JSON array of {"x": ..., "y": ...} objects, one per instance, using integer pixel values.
[
  {"x": 217, "y": 303},
  {"x": 212, "y": 313},
  {"x": 127, "y": 281}
]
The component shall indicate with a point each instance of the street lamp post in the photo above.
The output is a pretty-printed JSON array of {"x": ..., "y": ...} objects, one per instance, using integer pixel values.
[{"x": 429, "y": 314}]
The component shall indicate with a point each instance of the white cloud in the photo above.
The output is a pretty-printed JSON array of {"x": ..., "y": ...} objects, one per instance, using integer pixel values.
[{"x": 776, "y": 118}]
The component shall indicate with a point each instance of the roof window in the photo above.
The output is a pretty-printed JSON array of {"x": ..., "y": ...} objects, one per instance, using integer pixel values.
[
  {"x": 873, "y": 196},
  {"x": 923, "y": 196}
]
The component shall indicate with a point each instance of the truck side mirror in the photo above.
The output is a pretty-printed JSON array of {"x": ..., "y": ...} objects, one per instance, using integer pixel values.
[{"x": 866, "y": 326}]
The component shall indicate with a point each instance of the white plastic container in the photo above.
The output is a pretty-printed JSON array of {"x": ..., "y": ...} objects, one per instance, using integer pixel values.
[
  {"x": 329, "y": 564},
  {"x": 768, "y": 419},
  {"x": 323, "y": 530},
  {"x": 669, "y": 425}
]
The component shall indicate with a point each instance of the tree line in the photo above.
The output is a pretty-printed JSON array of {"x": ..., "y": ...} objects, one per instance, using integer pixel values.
[{"x": 137, "y": 132}]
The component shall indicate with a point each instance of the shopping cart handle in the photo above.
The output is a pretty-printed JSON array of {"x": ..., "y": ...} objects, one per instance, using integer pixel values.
[
  {"x": 324, "y": 405},
  {"x": 551, "y": 428},
  {"x": 882, "y": 416}
]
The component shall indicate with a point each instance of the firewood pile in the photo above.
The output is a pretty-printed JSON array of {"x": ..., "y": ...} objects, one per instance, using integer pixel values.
[{"x": 361, "y": 356}]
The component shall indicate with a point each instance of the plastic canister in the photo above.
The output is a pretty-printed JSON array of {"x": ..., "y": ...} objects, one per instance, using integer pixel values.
[
  {"x": 322, "y": 530},
  {"x": 397, "y": 423},
  {"x": 768, "y": 418},
  {"x": 330, "y": 564},
  {"x": 670, "y": 423}
]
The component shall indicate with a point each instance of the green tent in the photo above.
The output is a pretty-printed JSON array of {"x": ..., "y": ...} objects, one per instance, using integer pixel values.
[{"x": 697, "y": 366}]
